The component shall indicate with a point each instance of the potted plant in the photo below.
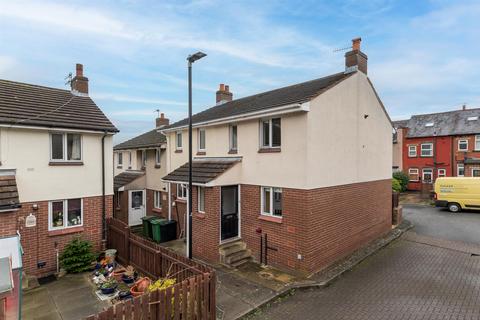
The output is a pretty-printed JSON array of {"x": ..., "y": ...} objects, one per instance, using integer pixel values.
[
  {"x": 109, "y": 286},
  {"x": 140, "y": 286},
  {"x": 129, "y": 275}
]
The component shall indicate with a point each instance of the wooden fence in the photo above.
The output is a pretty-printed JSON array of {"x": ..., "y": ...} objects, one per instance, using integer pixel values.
[{"x": 192, "y": 297}]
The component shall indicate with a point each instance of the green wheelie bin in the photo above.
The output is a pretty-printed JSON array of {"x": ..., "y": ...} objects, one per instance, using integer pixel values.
[
  {"x": 147, "y": 226},
  {"x": 157, "y": 229}
]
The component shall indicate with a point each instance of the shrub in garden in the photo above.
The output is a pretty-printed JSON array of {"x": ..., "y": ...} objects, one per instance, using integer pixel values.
[
  {"x": 396, "y": 186},
  {"x": 403, "y": 178},
  {"x": 77, "y": 256}
]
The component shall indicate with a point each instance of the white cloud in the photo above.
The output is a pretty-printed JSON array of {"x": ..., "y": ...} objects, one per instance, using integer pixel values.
[
  {"x": 126, "y": 98},
  {"x": 6, "y": 64}
]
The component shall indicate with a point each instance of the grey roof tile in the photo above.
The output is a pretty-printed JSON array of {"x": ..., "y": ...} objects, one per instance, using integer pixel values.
[
  {"x": 126, "y": 177},
  {"x": 27, "y": 104},
  {"x": 148, "y": 139},
  {"x": 203, "y": 169}
]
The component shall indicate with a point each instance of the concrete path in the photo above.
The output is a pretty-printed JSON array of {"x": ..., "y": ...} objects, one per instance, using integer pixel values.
[
  {"x": 69, "y": 298},
  {"x": 421, "y": 276}
]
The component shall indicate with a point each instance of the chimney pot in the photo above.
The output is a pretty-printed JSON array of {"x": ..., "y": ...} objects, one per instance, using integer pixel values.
[
  {"x": 356, "y": 43},
  {"x": 79, "y": 83},
  {"x": 223, "y": 94}
]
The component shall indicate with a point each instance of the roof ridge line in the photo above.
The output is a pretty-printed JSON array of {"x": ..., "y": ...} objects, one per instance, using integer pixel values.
[{"x": 35, "y": 85}]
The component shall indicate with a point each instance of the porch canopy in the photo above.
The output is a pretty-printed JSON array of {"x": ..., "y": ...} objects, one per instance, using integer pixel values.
[
  {"x": 204, "y": 170},
  {"x": 125, "y": 178},
  {"x": 8, "y": 191}
]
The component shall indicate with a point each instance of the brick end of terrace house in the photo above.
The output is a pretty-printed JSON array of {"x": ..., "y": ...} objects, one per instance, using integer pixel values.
[{"x": 319, "y": 226}]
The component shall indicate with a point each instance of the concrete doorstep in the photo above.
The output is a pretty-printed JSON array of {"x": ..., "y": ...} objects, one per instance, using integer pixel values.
[{"x": 241, "y": 292}]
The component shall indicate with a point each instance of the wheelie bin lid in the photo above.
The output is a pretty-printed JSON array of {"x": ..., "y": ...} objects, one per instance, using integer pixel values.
[
  {"x": 157, "y": 221},
  {"x": 149, "y": 218}
]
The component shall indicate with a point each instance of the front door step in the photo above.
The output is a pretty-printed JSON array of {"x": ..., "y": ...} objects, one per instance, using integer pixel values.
[{"x": 234, "y": 254}]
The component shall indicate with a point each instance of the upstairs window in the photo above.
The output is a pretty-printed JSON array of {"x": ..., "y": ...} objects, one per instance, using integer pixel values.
[
  {"x": 65, "y": 147},
  {"x": 233, "y": 138},
  {"x": 158, "y": 157},
  {"x": 427, "y": 150},
  {"x": 120, "y": 159},
  {"x": 463, "y": 145},
  {"x": 130, "y": 160},
  {"x": 201, "y": 139},
  {"x": 144, "y": 158},
  {"x": 271, "y": 133},
  {"x": 271, "y": 202},
  {"x": 412, "y": 151},
  {"x": 178, "y": 140},
  {"x": 477, "y": 143}
]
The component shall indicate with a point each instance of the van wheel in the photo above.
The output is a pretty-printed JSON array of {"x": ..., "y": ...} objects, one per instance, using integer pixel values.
[{"x": 454, "y": 207}]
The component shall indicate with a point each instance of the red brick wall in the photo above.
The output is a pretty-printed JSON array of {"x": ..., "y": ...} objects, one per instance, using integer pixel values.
[
  {"x": 39, "y": 244},
  {"x": 178, "y": 210},
  {"x": 151, "y": 210},
  {"x": 206, "y": 226},
  {"x": 342, "y": 219},
  {"x": 321, "y": 225}
]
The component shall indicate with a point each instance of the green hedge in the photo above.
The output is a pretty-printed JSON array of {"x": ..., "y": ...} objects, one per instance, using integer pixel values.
[
  {"x": 396, "y": 186},
  {"x": 402, "y": 178},
  {"x": 77, "y": 256}
]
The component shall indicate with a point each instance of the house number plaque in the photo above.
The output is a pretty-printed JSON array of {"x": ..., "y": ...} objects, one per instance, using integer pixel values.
[{"x": 30, "y": 221}]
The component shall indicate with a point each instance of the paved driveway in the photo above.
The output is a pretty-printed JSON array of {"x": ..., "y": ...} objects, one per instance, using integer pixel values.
[{"x": 420, "y": 276}]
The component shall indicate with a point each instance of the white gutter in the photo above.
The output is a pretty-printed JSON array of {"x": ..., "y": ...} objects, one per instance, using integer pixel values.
[
  {"x": 55, "y": 129},
  {"x": 290, "y": 108}
]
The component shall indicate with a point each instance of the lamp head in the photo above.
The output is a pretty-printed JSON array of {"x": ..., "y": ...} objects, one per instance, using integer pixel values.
[{"x": 196, "y": 56}]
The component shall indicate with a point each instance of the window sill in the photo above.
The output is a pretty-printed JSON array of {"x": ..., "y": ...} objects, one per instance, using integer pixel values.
[
  {"x": 269, "y": 150},
  {"x": 178, "y": 151},
  {"x": 201, "y": 153},
  {"x": 119, "y": 167},
  {"x": 181, "y": 200},
  {"x": 157, "y": 210},
  {"x": 270, "y": 219},
  {"x": 65, "y": 163},
  {"x": 200, "y": 215},
  {"x": 426, "y": 156},
  {"x": 157, "y": 166},
  {"x": 232, "y": 152},
  {"x": 61, "y": 232}
]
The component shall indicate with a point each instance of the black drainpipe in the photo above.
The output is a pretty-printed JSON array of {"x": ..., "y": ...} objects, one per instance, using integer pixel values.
[{"x": 104, "y": 213}]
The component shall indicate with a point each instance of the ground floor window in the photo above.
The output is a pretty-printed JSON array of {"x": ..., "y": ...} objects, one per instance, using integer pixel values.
[
  {"x": 427, "y": 175},
  {"x": 442, "y": 173},
  {"x": 475, "y": 172},
  {"x": 182, "y": 191},
  {"x": 272, "y": 201},
  {"x": 413, "y": 174},
  {"x": 201, "y": 199},
  {"x": 157, "y": 199},
  {"x": 65, "y": 214},
  {"x": 117, "y": 197},
  {"x": 460, "y": 170}
]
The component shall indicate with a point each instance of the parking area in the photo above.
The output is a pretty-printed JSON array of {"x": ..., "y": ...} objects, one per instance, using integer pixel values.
[{"x": 430, "y": 273}]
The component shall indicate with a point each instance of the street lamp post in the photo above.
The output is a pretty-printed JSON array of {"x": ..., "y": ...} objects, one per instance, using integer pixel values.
[{"x": 191, "y": 59}]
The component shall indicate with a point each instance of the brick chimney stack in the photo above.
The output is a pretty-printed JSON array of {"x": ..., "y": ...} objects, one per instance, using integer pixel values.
[
  {"x": 356, "y": 60},
  {"x": 223, "y": 94},
  {"x": 79, "y": 83},
  {"x": 162, "y": 121}
]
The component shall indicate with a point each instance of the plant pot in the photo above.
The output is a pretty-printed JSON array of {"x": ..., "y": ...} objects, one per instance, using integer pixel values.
[
  {"x": 140, "y": 287},
  {"x": 122, "y": 295},
  {"x": 108, "y": 290},
  {"x": 127, "y": 279}
]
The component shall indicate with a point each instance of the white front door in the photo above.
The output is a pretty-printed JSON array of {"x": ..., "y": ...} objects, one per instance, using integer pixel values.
[{"x": 136, "y": 207}]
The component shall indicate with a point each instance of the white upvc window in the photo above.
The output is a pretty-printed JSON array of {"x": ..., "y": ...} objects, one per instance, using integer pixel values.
[
  {"x": 120, "y": 159},
  {"x": 144, "y": 158},
  {"x": 426, "y": 150},
  {"x": 477, "y": 143},
  {"x": 460, "y": 170},
  {"x": 233, "y": 137},
  {"x": 157, "y": 199},
  {"x": 412, "y": 151},
  {"x": 271, "y": 133},
  {"x": 201, "y": 199},
  {"x": 427, "y": 175},
  {"x": 475, "y": 172},
  {"x": 442, "y": 173},
  {"x": 271, "y": 201},
  {"x": 413, "y": 174},
  {"x": 178, "y": 140},
  {"x": 63, "y": 214},
  {"x": 66, "y": 147},
  {"x": 182, "y": 191},
  {"x": 463, "y": 145},
  {"x": 201, "y": 139},
  {"x": 130, "y": 160},
  {"x": 158, "y": 158}
]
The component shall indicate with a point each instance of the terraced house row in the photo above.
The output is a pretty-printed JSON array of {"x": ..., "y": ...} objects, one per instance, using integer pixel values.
[
  {"x": 445, "y": 144},
  {"x": 293, "y": 165}
]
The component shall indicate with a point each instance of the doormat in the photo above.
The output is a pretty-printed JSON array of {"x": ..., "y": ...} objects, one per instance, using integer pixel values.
[{"x": 47, "y": 279}]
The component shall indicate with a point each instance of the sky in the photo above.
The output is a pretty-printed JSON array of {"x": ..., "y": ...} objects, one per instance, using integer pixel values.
[{"x": 422, "y": 55}]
